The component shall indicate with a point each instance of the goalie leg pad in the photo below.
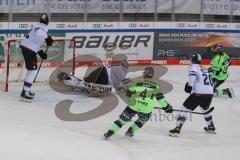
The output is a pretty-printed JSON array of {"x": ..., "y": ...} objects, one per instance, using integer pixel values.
[
  {"x": 98, "y": 89},
  {"x": 70, "y": 80}
]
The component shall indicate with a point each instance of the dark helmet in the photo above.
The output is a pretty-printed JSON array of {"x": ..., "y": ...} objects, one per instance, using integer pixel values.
[
  {"x": 44, "y": 19},
  {"x": 218, "y": 47},
  {"x": 196, "y": 58},
  {"x": 148, "y": 72}
]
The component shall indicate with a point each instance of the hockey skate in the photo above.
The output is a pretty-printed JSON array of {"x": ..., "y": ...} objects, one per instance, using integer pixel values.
[
  {"x": 210, "y": 129},
  {"x": 227, "y": 92},
  {"x": 108, "y": 134},
  {"x": 129, "y": 132},
  {"x": 26, "y": 97},
  {"x": 32, "y": 94},
  {"x": 175, "y": 132}
]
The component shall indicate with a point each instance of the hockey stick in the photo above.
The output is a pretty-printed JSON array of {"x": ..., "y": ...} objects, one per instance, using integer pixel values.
[
  {"x": 176, "y": 110},
  {"x": 40, "y": 66}
]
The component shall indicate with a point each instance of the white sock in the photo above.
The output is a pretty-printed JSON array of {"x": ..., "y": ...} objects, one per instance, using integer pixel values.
[{"x": 29, "y": 78}]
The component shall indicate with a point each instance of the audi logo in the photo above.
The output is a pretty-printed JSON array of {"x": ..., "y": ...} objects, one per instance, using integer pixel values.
[
  {"x": 61, "y": 26},
  {"x": 23, "y": 26},
  {"x": 97, "y": 25},
  {"x": 237, "y": 26},
  {"x": 181, "y": 25},
  {"x": 133, "y": 25},
  {"x": 210, "y": 25}
]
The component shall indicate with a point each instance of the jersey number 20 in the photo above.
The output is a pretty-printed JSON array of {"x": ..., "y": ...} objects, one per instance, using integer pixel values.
[{"x": 207, "y": 79}]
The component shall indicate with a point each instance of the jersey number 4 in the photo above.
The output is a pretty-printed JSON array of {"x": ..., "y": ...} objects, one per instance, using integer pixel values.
[
  {"x": 207, "y": 79},
  {"x": 143, "y": 94}
]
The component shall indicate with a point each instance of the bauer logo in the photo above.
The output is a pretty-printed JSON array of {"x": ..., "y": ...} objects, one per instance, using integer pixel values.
[
  {"x": 119, "y": 40},
  {"x": 134, "y": 44}
]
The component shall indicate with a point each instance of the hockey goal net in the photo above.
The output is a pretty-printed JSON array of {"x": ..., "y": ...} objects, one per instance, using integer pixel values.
[{"x": 12, "y": 66}]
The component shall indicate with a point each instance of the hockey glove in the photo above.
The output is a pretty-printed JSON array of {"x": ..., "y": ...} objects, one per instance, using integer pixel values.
[
  {"x": 130, "y": 93},
  {"x": 49, "y": 41},
  {"x": 188, "y": 88},
  {"x": 42, "y": 54},
  {"x": 120, "y": 88},
  {"x": 210, "y": 69},
  {"x": 168, "y": 109}
]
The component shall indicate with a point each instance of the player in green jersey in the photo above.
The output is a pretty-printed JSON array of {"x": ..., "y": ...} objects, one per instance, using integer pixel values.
[
  {"x": 219, "y": 70},
  {"x": 141, "y": 95}
]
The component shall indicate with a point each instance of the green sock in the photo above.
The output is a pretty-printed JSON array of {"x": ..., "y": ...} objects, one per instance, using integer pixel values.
[
  {"x": 219, "y": 92},
  {"x": 115, "y": 127},
  {"x": 135, "y": 128}
]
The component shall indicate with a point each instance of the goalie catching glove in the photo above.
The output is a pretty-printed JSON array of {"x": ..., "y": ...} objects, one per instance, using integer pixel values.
[
  {"x": 49, "y": 40},
  {"x": 42, "y": 54}
]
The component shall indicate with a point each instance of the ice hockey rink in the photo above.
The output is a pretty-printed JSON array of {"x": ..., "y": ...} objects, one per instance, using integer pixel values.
[{"x": 32, "y": 131}]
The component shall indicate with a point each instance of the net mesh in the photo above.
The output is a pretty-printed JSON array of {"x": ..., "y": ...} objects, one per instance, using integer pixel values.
[{"x": 12, "y": 68}]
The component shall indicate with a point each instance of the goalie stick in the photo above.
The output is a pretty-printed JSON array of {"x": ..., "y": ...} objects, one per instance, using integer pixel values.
[{"x": 176, "y": 110}]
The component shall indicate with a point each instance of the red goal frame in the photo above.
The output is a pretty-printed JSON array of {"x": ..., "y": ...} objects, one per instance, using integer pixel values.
[{"x": 7, "y": 63}]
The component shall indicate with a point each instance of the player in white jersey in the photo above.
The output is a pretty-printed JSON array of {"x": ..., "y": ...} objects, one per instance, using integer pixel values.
[
  {"x": 200, "y": 85},
  {"x": 103, "y": 78},
  {"x": 31, "y": 46}
]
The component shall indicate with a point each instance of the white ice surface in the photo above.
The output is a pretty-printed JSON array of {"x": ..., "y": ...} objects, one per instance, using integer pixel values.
[{"x": 33, "y": 132}]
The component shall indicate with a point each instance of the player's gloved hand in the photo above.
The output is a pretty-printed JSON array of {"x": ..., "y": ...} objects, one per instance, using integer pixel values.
[
  {"x": 216, "y": 72},
  {"x": 49, "y": 40},
  {"x": 188, "y": 88},
  {"x": 168, "y": 109},
  {"x": 126, "y": 82},
  {"x": 42, "y": 54},
  {"x": 210, "y": 69},
  {"x": 120, "y": 88},
  {"x": 129, "y": 93}
]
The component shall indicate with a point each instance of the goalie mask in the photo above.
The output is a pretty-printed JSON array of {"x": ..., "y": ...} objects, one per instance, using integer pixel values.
[
  {"x": 148, "y": 72},
  {"x": 44, "y": 19}
]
